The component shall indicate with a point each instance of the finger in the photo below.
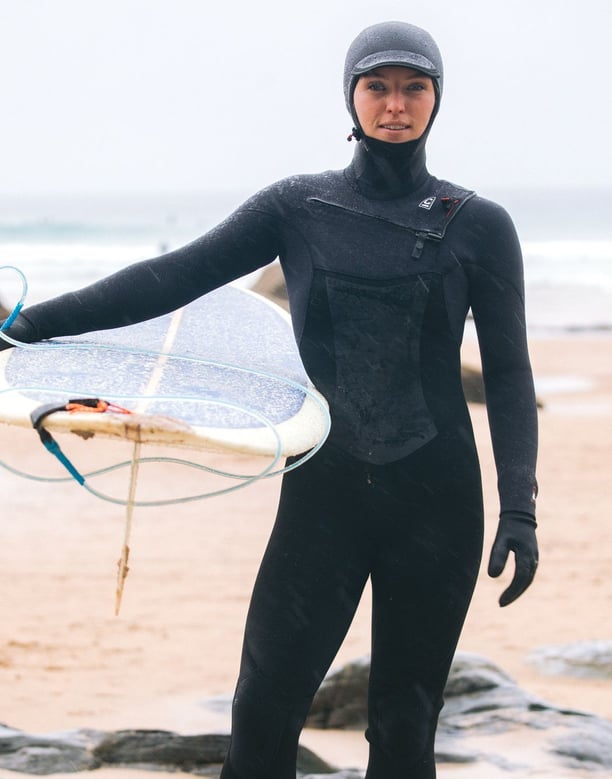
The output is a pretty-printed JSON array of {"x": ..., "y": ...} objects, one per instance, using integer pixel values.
[
  {"x": 498, "y": 559},
  {"x": 523, "y": 576}
]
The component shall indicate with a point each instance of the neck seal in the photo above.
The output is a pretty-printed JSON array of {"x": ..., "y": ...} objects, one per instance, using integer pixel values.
[{"x": 384, "y": 171}]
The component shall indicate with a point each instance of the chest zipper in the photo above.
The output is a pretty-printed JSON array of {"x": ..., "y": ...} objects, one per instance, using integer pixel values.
[
  {"x": 421, "y": 237},
  {"x": 451, "y": 205}
]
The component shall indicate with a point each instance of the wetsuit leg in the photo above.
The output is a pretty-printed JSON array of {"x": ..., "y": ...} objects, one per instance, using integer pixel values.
[
  {"x": 428, "y": 551},
  {"x": 308, "y": 587}
]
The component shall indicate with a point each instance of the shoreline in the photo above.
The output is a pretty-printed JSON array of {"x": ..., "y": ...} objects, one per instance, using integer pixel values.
[{"x": 66, "y": 662}]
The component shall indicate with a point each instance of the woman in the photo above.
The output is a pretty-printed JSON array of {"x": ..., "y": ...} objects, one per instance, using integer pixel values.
[{"x": 382, "y": 262}]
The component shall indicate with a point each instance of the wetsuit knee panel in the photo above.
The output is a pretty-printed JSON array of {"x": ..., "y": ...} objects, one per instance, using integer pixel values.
[
  {"x": 266, "y": 728},
  {"x": 401, "y": 728}
]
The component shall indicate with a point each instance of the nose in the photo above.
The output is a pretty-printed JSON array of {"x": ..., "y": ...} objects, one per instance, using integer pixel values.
[{"x": 396, "y": 103}]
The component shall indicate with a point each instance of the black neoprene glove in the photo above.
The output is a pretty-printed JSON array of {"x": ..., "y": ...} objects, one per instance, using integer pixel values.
[
  {"x": 4, "y": 344},
  {"x": 516, "y": 533},
  {"x": 20, "y": 330}
]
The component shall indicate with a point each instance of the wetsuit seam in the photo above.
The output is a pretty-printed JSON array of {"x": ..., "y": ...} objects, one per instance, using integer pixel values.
[
  {"x": 491, "y": 274},
  {"x": 276, "y": 217},
  {"x": 376, "y": 280}
]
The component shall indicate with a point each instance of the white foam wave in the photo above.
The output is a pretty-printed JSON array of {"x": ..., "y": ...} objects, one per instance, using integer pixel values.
[{"x": 569, "y": 263}]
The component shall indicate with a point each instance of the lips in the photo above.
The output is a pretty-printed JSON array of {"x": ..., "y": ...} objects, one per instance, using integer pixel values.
[{"x": 395, "y": 126}]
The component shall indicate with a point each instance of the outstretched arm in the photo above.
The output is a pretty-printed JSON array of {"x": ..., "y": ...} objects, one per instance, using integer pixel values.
[
  {"x": 497, "y": 300},
  {"x": 247, "y": 240}
]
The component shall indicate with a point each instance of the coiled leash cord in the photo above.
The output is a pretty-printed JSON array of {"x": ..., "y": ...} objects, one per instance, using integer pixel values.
[
  {"x": 98, "y": 405},
  {"x": 51, "y": 445}
]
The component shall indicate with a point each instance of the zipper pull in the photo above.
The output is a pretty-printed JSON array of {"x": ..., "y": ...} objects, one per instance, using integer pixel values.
[
  {"x": 419, "y": 246},
  {"x": 450, "y": 204}
]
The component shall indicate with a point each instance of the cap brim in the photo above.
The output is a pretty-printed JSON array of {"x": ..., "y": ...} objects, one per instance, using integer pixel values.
[{"x": 404, "y": 59}]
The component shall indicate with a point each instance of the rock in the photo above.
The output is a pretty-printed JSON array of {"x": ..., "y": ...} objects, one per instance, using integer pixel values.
[
  {"x": 85, "y": 750},
  {"x": 341, "y": 701},
  {"x": 161, "y": 748},
  {"x": 312, "y": 765},
  {"x": 271, "y": 284},
  {"x": 481, "y": 701},
  {"x": 449, "y": 750},
  {"x": 351, "y": 773},
  {"x": 485, "y": 711},
  {"x": 479, "y": 693},
  {"x": 472, "y": 673},
  {"x": 473, "y": 385},
  {"x": 583, "y": 659},
  {"x": 588, "y": 745},
  {"x": 474, "y": 683},
  {"x": 67, "y": 752}
]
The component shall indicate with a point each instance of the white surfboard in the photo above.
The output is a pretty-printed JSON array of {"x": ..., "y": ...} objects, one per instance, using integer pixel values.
[{"x": 221, "y": 374}]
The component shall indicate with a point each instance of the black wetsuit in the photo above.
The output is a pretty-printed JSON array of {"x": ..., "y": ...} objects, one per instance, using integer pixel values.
[
  {"x": 395, "y": 494},
  {"x": 382, "y": 263}
]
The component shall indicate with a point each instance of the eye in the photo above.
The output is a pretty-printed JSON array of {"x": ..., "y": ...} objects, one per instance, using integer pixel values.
[
  {"x": 375, "y": 86},
  {"x": 417, "y": 86}
]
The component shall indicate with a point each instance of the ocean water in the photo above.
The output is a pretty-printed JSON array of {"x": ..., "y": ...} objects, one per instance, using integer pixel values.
[{"x": 62, "y": 242}]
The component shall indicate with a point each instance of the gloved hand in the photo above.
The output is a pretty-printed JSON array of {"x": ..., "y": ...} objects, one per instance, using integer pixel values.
[
  {"x": 4, "y": 344},
  {"x": 516, "y": 533},
  {"x": 21, "y": 330}
]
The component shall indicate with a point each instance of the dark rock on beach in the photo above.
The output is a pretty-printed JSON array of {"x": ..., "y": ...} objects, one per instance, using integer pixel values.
[
  {"x": 582, "y": 659},
  {"x": 161, "y": 748},
  {"x": 154, "y": 750},
  {"x": 70, "y": 751},
  {"x": 341, "y": 702},
  {"x": 474, "y": 684},
  {"x": 483, "y": 705},
  {"x": 271, "y": 284},
  {"x": 481, "y": 700}
]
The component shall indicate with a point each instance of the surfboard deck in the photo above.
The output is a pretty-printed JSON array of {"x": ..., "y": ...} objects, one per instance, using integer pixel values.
[{"x": 221, "y": 374}]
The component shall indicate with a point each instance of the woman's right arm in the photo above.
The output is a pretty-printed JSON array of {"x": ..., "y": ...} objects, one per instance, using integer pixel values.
[{"x": 245, "y": 241}]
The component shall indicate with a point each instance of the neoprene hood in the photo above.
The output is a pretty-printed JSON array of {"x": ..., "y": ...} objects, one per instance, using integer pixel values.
[{"x": 391, "y": 43}]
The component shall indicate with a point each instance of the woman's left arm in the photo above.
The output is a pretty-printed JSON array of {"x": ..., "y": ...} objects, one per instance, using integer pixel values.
[{"x": 498, "y": 306}]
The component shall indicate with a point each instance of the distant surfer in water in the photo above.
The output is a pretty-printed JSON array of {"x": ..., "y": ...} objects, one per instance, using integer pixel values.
[{"x": 382, "y": 263}]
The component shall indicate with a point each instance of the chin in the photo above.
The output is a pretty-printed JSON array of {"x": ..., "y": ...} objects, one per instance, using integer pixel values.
[{"x": 394, "y": 137}]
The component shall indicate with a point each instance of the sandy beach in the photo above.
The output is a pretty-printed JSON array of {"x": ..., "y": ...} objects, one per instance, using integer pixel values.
[{"x": 67, "y": 662}]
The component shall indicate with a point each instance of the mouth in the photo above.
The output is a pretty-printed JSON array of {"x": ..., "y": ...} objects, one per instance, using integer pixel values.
[{"x": 395, "y": 126}]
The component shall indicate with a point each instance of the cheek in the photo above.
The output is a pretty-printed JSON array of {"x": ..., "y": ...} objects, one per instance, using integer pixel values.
[
  {"x": 364, "y": 105},
  {"x": 426, "y": 109},
  {"x": 358, "y": 105}
]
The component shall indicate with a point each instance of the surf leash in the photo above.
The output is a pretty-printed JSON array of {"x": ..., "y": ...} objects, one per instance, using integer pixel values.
[
  {"x": 243, "y": 479},
  {"x": 41, "y": 413},
  {"x": 98, "y": 405},
  {"x": 92, "y": 405},
  {"x": 19, "y": 305}
]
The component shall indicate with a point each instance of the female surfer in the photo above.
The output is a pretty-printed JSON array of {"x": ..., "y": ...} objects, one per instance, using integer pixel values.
[{"x": 382, "y": 263}]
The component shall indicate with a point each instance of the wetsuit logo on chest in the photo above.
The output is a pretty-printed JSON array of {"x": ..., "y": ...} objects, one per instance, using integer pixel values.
[{"x": 428, "y": 202}]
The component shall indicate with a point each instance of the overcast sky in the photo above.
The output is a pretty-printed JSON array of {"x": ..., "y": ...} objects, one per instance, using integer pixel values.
[{"x": 169, "y": 95}]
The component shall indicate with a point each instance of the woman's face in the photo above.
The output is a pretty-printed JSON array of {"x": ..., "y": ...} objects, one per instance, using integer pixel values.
[{"x": 394, "y": 104}]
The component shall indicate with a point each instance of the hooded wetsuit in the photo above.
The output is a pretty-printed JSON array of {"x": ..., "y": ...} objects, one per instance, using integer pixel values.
[{"x": 382, "y": 263}]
